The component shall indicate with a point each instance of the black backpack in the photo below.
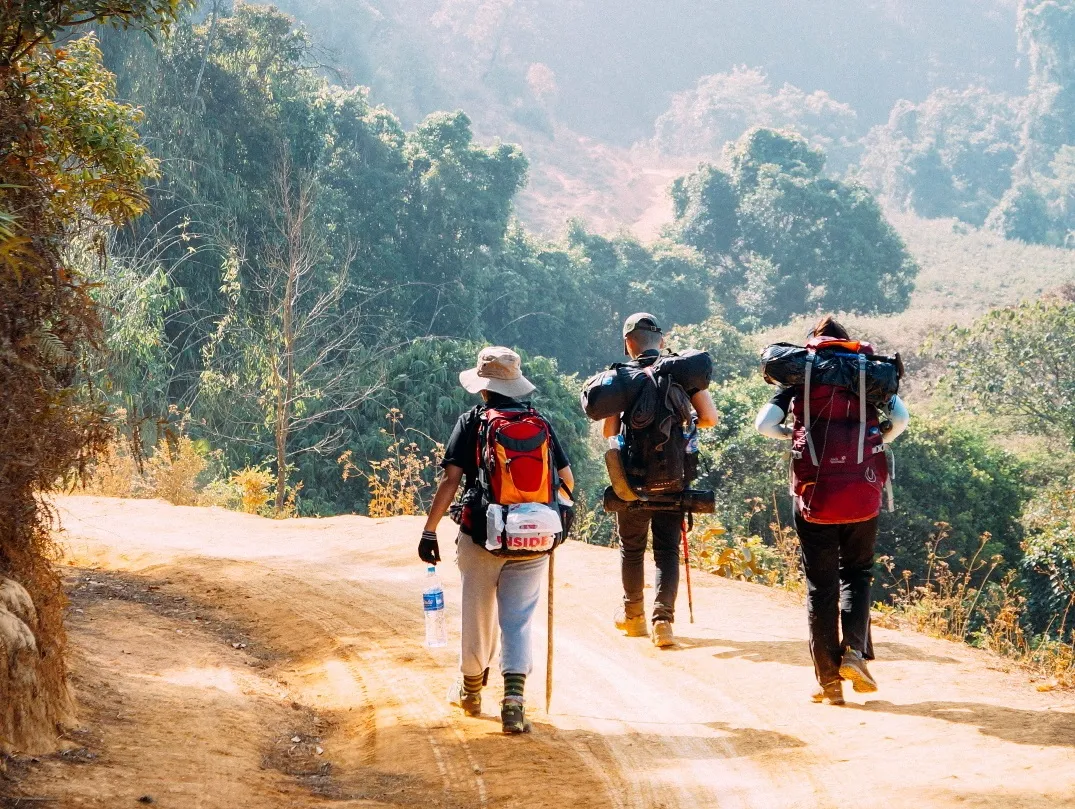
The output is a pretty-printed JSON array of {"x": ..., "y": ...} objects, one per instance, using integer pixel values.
[{"x": 656, "y": 431}]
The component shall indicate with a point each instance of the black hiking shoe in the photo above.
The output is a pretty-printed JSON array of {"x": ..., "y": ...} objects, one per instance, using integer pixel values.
[
  {"x": 513, "y": 716},
  {"x": 853, "y": 668},
  {"x": 830, "y": 694}
]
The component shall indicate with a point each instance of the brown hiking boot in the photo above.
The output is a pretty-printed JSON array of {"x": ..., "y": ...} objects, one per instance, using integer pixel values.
[
  {"x": 634, "y": 627},
  {"x": 853, "y": 668},
  {"x": 831, "y": 694},
  {"x": 662, "y": 634}
]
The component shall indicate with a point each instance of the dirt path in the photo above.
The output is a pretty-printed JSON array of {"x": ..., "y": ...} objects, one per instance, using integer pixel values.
[{"x": 229, "y": 661}]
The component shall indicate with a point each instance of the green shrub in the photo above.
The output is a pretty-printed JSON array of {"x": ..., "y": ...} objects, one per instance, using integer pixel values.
[
  {"x": 950, "y": 472},
  {"x": 1048, "y": 565}
]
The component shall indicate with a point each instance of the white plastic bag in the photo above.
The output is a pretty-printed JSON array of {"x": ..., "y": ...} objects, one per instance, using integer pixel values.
[{"x": 526, "y": 528}]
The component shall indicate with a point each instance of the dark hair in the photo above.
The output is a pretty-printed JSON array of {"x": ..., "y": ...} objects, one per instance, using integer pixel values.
[{"x": 829, "y": 327}]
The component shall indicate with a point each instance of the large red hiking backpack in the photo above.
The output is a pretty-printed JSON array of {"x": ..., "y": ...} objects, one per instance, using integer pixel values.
[
  {"x": 517, "y": 469},
  {"x": 515, "y": 457},
  {"x": 839, "y": 468}
]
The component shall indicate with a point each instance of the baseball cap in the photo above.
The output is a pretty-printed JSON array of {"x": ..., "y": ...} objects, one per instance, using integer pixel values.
[{"x": 641, "y": 320}]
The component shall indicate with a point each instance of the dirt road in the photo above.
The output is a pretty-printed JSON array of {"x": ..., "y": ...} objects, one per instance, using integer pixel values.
[{"x": 228, "y": 661}]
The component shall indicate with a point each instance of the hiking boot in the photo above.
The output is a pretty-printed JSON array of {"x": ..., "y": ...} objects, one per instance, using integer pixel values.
[
  {"x": 853, "y": 668},
  {"x": 513, "y": 716},
  {"x": 471, "y": 703},
  {"x": 662, "y": 634},
  {"x": 830, "y": 694},
  {"x": 634, "y": 627}
]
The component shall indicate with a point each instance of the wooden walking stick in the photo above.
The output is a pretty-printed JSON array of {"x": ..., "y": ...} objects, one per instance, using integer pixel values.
[
  {"x": 687, "y": 563},
  {"x": 549, "y": 650}
]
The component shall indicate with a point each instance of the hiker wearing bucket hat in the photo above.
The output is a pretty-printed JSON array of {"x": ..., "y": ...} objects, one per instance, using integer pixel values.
[
  {"x": 497, "y": 588},
  {"x": 643, "y": 342}
]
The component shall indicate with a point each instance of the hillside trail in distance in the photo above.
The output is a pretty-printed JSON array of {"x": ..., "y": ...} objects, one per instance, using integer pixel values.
[{"x": 723, "y": 719}]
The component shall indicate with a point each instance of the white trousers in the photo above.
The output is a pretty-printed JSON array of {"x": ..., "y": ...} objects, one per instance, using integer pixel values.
[{"x": 497, "y": 591}]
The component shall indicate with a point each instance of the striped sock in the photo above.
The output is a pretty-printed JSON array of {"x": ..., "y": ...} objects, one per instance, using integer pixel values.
[
  {"x": 472, "y": 683},
  {"x": 514, "y": 685}
]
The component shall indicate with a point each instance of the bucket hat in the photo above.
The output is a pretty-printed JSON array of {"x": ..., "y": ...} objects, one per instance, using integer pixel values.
[{"x": 499, "y": 369}]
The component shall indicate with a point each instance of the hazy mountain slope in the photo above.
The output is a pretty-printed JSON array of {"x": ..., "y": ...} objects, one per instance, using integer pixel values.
[{"x": 576, "y": 81}]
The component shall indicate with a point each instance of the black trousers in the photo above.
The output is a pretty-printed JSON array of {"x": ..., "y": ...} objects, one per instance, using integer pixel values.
[
  {"x": 837, "y": 561},
  {"x": 633, "y": 528}
]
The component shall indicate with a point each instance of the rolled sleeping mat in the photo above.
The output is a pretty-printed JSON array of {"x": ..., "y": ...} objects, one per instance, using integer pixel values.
[
  {"x": 617, "y": 475},
  {"x": 697, "y": 501},
  {"x": 785, "y": 364}
]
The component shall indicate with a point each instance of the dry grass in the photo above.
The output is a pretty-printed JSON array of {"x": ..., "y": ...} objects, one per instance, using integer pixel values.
[{"x": 961, "y": 603}]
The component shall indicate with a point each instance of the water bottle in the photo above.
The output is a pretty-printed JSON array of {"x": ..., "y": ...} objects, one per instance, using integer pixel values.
[
  {"x": 690, "y": 462},
  {"x": 433, "y": 604}
]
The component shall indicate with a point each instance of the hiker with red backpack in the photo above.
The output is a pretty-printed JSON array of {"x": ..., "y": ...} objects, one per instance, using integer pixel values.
[
  {"x": 650, "y": 409},
  {"x": 845, "y": 412},
  {"x": 510, "y": 517}
]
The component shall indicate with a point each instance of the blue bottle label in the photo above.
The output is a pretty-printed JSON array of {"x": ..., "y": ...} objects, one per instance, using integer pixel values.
[{"x": 433, "y": 601}]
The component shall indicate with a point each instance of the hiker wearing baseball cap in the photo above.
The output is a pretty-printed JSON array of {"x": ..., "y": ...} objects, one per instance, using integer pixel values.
[
  {"x": 643, "y": 342},
  {"x": 502, "y": 451}
]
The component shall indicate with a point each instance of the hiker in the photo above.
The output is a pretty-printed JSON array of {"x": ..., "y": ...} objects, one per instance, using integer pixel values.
[
  {"x": 503, "y": 451},
  {"x": 643, "y": 342},
  {"x": 839, "y": 471}
]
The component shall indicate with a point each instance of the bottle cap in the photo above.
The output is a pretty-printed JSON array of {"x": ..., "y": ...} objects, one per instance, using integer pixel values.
[{"x": 431, "y": 569}]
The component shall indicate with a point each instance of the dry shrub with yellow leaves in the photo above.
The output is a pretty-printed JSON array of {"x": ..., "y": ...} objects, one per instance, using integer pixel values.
[{"x": 398, "y": 483}]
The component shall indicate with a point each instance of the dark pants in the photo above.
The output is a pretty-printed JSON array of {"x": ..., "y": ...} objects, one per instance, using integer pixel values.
[
  {"x": 633, "y": 528},
  {"x": 837, "y": 560}
]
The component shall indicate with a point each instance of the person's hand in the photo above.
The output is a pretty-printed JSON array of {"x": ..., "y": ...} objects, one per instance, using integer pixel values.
[{"x": 428, "y": 549}]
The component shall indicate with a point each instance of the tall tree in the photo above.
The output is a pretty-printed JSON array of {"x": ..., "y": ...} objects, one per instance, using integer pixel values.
[
  {"x": 785, "y": 240},
  {"x": 70, "y": 165}
]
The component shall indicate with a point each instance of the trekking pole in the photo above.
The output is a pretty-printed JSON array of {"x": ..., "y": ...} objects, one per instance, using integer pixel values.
[
  {"x": 548, "y": 654},
  {"x": 687, "y": 563}
]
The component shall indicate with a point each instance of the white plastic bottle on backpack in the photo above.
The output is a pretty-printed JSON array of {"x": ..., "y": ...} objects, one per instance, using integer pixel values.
[{"x": 433, "y": 604}]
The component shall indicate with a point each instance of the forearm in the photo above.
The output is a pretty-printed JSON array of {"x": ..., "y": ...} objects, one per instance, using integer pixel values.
[
  {"x": 610, "y": 426},
  {"x": 770, "y": 422},
  {"x": 446, "y": 489},
  {"x": 899, "y": 417}
]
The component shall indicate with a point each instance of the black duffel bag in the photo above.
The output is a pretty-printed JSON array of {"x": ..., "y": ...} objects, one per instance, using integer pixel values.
[{"x": 612, "y": 392}]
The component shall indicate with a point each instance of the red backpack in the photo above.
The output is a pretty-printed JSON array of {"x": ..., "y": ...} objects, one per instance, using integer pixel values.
[
  {"x": 515, "y": 457},
  {"x": 839, "y": 468}
]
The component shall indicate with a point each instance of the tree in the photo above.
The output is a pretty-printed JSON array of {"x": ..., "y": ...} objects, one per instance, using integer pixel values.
[
  {"x": 71, "y": 166},
  {"x": 1016, "y": 364},
  {"x": 795, "y": 241},
  {"x": 300, "y": 351},
  {"x": 721, "y": 107},
  {"x": 1046, "y": 33},
  {"x": 951, "y": 155},
  {"x": 1022, "y": 214}
]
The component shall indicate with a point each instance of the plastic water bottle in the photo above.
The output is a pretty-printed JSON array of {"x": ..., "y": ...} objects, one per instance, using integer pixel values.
[{"x": 433, "y": 604}]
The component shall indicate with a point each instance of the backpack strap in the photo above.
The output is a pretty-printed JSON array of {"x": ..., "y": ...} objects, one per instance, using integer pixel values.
[
  {"x": 806, "y": 408},
  {"x": 862, "y": 406}
]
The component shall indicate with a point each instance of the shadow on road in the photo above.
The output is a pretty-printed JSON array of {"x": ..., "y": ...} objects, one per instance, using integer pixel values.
[
  {"x": 732, "y": 742},
  {"x": 796, "y": 653},
  {"x": 1049, "y": 728}
]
